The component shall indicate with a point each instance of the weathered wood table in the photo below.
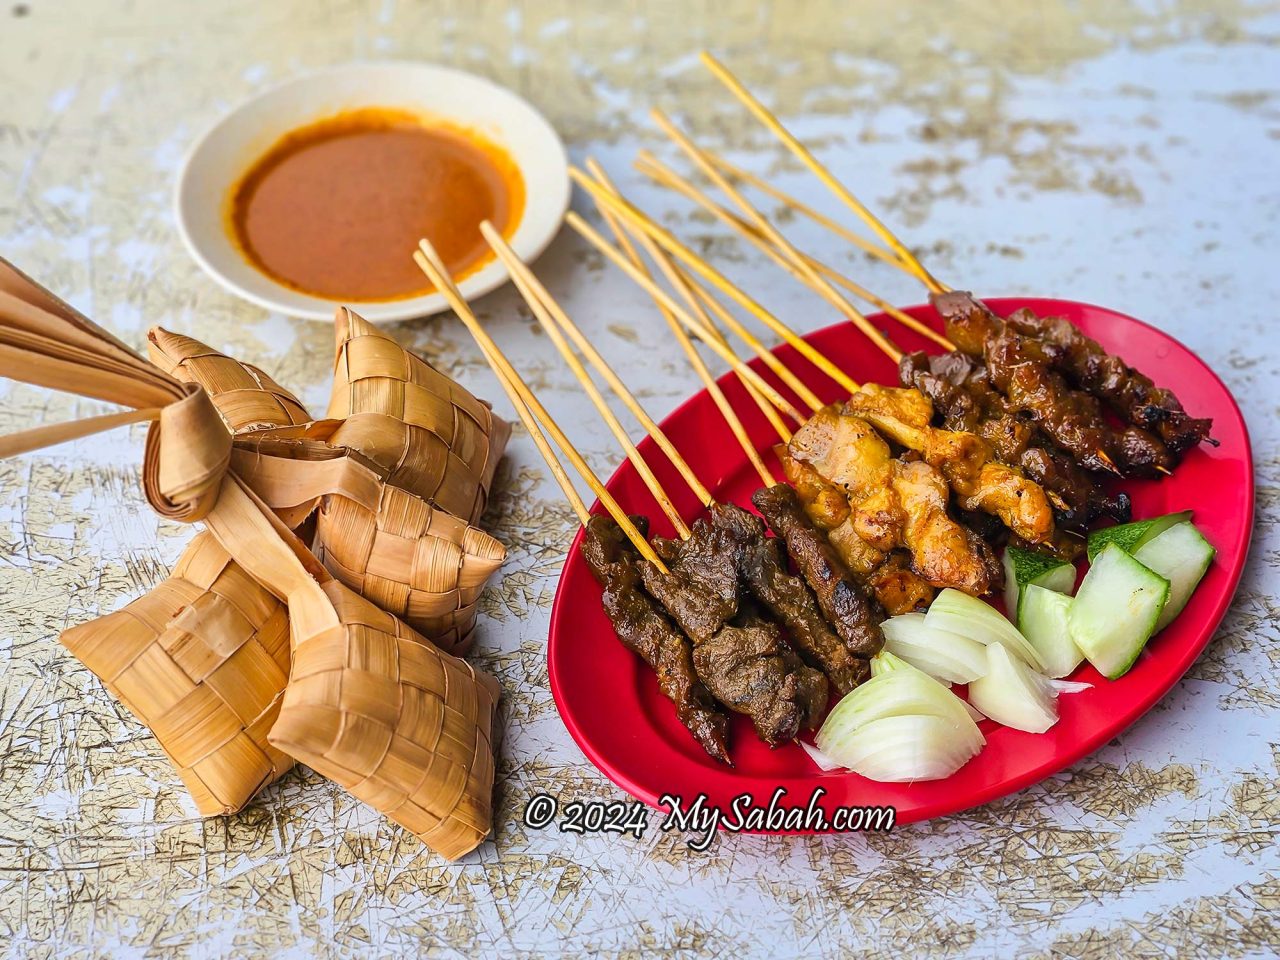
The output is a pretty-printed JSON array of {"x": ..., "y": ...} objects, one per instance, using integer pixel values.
[{"x": 1112, "y": 153}]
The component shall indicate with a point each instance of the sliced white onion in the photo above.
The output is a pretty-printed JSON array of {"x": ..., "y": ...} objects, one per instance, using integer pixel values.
[
  {"x": 946, "y": 656},
  {"x": 974, "y": 713},
  {"x": 1013, "y": 694},
  {"x": 823, "y": 762},
  {"x": 956, "y": 612},
  {"x": 1070, "y": 686},
  {"x": 900, "y": 725}
]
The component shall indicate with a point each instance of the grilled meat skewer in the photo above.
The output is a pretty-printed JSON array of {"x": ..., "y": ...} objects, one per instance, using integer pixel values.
[
  {"x": 844, "y": 602},
  {"x": 645, "y": 630},
  {"x": 1131, "y": 393},
  {"x": 743, "y": 659},
  {"x": 964, "y": 399},
  {"x": 1021, "y": 369},
  {"x": 764, "y": 573}
]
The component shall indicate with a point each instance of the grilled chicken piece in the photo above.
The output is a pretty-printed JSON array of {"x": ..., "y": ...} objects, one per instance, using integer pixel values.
[
  {"x": 966, "y": 460},
  {"x": 644, "y": 630},
  {"x": 891, "y": 502}
]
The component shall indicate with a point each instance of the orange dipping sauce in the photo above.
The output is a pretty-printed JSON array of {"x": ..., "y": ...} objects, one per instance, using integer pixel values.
[{"x": 335, "y": 209}]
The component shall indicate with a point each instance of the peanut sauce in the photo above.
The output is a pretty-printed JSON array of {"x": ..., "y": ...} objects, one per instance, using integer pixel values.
[{"x": 335, "y": 208}]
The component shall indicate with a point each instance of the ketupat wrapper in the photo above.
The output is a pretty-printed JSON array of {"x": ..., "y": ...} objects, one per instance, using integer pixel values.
[
  {"x": 201, "y": 660},
  {"x": 429, "y": 764},
  {"x": 247, "y": 398},
  {"x": 430, "y": 435},
  {"x": 394, "y": 544}
]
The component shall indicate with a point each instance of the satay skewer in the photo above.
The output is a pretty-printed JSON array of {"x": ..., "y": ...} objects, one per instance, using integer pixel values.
[
  {"x": 811, "y": 276},
  {"x": 694, "y": 326},
  {"x": 682, "y": 337},
  {"x": 530, "y": 409},
  {"x": 663, "y": 175},
  {"x": 632, "y": 215},
  {"x": 801, "y": 152}
]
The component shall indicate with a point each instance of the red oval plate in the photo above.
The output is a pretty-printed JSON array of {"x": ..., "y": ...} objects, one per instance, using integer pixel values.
[{"x": 614, "y": 710}]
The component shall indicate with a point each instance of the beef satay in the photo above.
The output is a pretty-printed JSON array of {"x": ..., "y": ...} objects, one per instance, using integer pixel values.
[
  {"x": 1128, "y": 391},
  {"x": 846, "y": 604},
  {"x": 643, "y": 629},
  {"x": 743, "y": 659},
  {"x": 787, "y": 598}
]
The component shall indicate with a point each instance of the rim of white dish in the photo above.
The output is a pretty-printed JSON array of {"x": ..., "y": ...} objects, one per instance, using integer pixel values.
[{"x": 532, "y": 236}]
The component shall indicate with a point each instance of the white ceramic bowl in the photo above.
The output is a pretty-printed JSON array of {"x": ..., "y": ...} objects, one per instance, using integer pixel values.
[{"x": 225, "y": 152}]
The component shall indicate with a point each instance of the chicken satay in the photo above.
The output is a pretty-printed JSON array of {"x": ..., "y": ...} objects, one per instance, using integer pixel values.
[
  {"x": 967, "y": 461},
  {"x": 644, "y": 630}
]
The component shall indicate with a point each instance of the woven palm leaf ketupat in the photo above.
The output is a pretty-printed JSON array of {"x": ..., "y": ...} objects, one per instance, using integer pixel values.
[
  {"x": 390, "y": 546},
  {"x": 402, "y": 724},
  {"x": 387, "y": 543},
  {"x": 246, "y": 397},
  {"x": 201, "y": 660},
  {"x": 429, "y": 434},
  {"x": 370, "y": 703}
]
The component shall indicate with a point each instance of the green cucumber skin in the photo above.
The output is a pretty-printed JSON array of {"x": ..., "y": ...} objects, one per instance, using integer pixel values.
[
  {"x": 1131, "y": 536},
  {"x": 1022, "y": 568},
  {"x": 1182, "y": 556},
  {"x": 1113, "y": 562}
]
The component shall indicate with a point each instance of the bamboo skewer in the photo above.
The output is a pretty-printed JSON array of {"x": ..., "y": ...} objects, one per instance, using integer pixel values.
[
  {"x": 555, "y": 313},
  {"x": 682, "y": 337},
  {"x": 665, "y": 176},
  {"x": 811, "y": 276},
  {"x": 636, "y": 218},
  {"x": 537, "y": 304},
  {"x": 690, "y": 292},
  {"x": 802, "y": 208},
  {"x": 802, "y": 153},
  {"x": 529, "y": 407},
  {"x": 703, "y": 334}
]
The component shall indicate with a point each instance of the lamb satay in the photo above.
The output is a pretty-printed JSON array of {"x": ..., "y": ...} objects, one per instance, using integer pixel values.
[
  {"x": 638, "y": 623},
  {"x": 646, "y": 631},
  {"x": 742, "y": 659},
  {"x": 1128, "y": 391}
]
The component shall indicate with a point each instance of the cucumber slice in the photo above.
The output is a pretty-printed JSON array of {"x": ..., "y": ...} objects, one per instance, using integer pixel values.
[
  {"x": 1182, "y": 556},
  {"x": 1130, "y": 536},
  {"x": 1023, "y": 567},
  {"x": 1044, "y": 623},
  {"x": 1115, "y": 610}
]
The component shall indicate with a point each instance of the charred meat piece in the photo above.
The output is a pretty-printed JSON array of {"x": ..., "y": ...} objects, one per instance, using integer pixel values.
[
  {"x": 854, "y": 615},
  {"x": 898, "y": 588},
  {"x": 643, "y": 629},
  {"x": 1129, "y": 392},
  {"x": 1024, "y": 372},
  {"x": 743, "y": 660},
  {"x": 964, "y": 399},
  {"x": 785, "y": 596}
]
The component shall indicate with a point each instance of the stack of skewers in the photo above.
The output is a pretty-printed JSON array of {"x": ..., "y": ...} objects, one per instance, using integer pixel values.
[{"x": 889, "y": 497}]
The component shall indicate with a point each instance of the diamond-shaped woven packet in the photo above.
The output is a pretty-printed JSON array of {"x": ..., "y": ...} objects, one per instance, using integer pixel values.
[
  {"x": 201, "y": 660},
  {"x": 246, "y": 397},
  {"x": 370, "y": 703},
  {"x": 416, "y": 561},
  {"x": 427, "y": 433}
]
